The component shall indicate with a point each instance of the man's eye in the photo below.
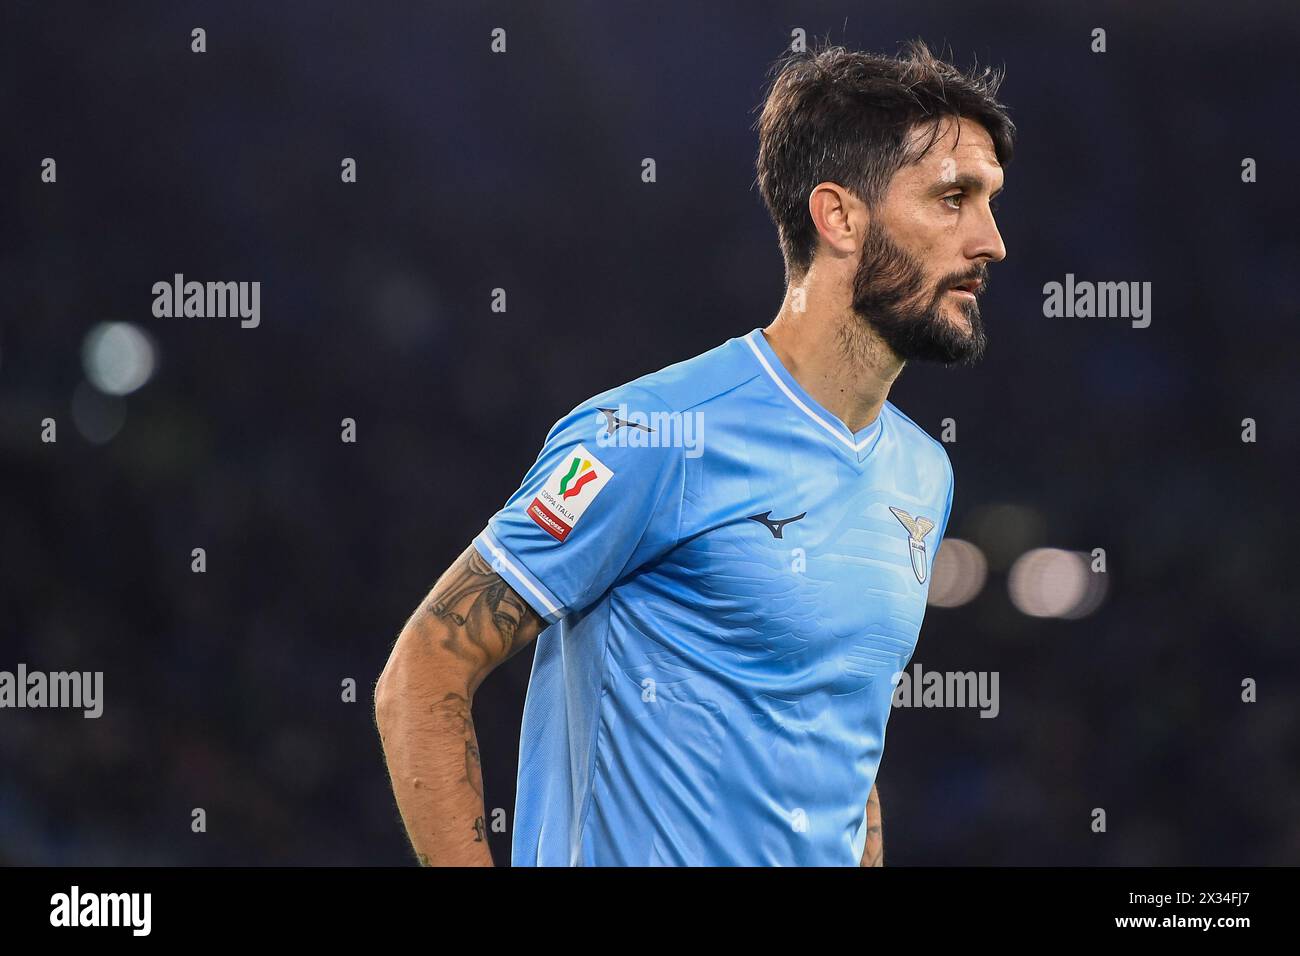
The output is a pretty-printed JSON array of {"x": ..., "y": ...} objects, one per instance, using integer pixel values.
[{"x": 948, "y": 199}]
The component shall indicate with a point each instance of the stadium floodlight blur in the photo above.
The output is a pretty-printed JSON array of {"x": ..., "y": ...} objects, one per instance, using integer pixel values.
[
  {"x": 118, "y": 357},
  {"x": 960, "y": 570},
  {"x": 1050, "y": 582}
]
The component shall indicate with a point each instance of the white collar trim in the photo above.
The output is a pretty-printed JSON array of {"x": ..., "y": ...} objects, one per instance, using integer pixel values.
[{"x": 838, "y": 433}]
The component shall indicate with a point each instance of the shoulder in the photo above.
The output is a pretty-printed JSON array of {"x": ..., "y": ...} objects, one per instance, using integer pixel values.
[
  {"x": 652, "y": 424},
  {"x": 684, "y": 385}
]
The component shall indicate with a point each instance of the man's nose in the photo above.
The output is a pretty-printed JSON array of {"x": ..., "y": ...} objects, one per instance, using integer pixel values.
[{"x": 987, "y": 243}]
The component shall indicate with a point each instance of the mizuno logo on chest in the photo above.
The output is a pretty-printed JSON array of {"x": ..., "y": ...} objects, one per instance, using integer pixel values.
[{"x": 775, "y": 525}]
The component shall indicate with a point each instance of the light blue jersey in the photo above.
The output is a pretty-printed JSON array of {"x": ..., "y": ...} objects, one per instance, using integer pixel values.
[{"x": 731, "y": 578}]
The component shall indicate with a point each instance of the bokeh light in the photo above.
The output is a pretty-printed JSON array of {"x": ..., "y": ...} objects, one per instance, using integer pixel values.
[
  {"x": 960, "y": 570},
  {"x": 1050, "y": 582},
  {"x": 118, "y": 357}
]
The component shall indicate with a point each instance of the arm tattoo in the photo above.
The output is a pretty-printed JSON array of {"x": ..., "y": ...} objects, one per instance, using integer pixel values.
[
  {"x": 454, "y": 718},
  {"x": 471, "y": 621},
  {"x": 484, "y": 613}
]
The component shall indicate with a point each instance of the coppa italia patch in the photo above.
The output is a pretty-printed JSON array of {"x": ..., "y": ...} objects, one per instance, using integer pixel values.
[{"x": 567, "y": 493}]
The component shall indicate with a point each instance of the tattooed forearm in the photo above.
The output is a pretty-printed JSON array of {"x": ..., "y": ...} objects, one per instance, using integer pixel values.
[
  {"x": 454, "y": 718},
  {"x": 473, "y": 767},
  {"x": 873, "y": 853},
  {"x": 484, "y": 620},
  {"x": 470, "y": 622}
]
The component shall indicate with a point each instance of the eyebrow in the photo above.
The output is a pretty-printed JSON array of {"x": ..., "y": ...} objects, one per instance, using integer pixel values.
[{"x": 965, "y": 181}]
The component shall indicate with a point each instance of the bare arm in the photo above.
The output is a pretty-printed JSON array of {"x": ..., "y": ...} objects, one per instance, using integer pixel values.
[
  {"x": 873, "y": 854},
  {"x": 471, "y": 622}
]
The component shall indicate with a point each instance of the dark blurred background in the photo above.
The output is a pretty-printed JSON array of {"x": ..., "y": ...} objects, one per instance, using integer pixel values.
[{"x": 522, "y": 172}]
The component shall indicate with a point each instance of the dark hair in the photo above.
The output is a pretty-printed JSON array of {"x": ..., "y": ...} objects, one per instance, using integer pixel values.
[{"x": 845, "y": 117}]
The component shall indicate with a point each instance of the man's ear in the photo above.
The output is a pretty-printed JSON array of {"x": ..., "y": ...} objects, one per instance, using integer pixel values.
[{"x": 840, "y": 218}]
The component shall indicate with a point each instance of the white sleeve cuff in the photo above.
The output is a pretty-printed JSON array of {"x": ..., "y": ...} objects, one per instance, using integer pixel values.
[{"x": 512, "y": 570}]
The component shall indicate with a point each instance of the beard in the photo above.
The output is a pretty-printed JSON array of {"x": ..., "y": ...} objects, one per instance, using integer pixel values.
[{"x": 890, "y": 295}]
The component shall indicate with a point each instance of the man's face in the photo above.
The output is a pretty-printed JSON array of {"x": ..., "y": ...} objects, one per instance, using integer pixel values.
[{"x": 925, "y": 257}]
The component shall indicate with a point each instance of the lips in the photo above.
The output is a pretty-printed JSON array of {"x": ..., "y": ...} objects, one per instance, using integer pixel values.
[{"x": 970, "y": 285}]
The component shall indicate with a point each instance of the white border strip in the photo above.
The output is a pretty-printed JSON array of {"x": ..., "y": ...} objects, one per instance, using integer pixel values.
[
  {"x": 758, "y": 353},
  {"x": 501, "y": 556}
]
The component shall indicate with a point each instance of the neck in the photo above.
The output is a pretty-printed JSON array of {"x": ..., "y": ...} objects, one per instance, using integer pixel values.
[{"x": 838, "y": 359}]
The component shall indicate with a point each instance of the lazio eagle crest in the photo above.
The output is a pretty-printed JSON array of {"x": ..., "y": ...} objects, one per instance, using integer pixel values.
[{"x": 917, "y": 529}]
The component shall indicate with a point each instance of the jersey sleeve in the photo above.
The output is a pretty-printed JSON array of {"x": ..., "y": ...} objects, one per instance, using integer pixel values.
[{"x": 603, "y": 499}]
